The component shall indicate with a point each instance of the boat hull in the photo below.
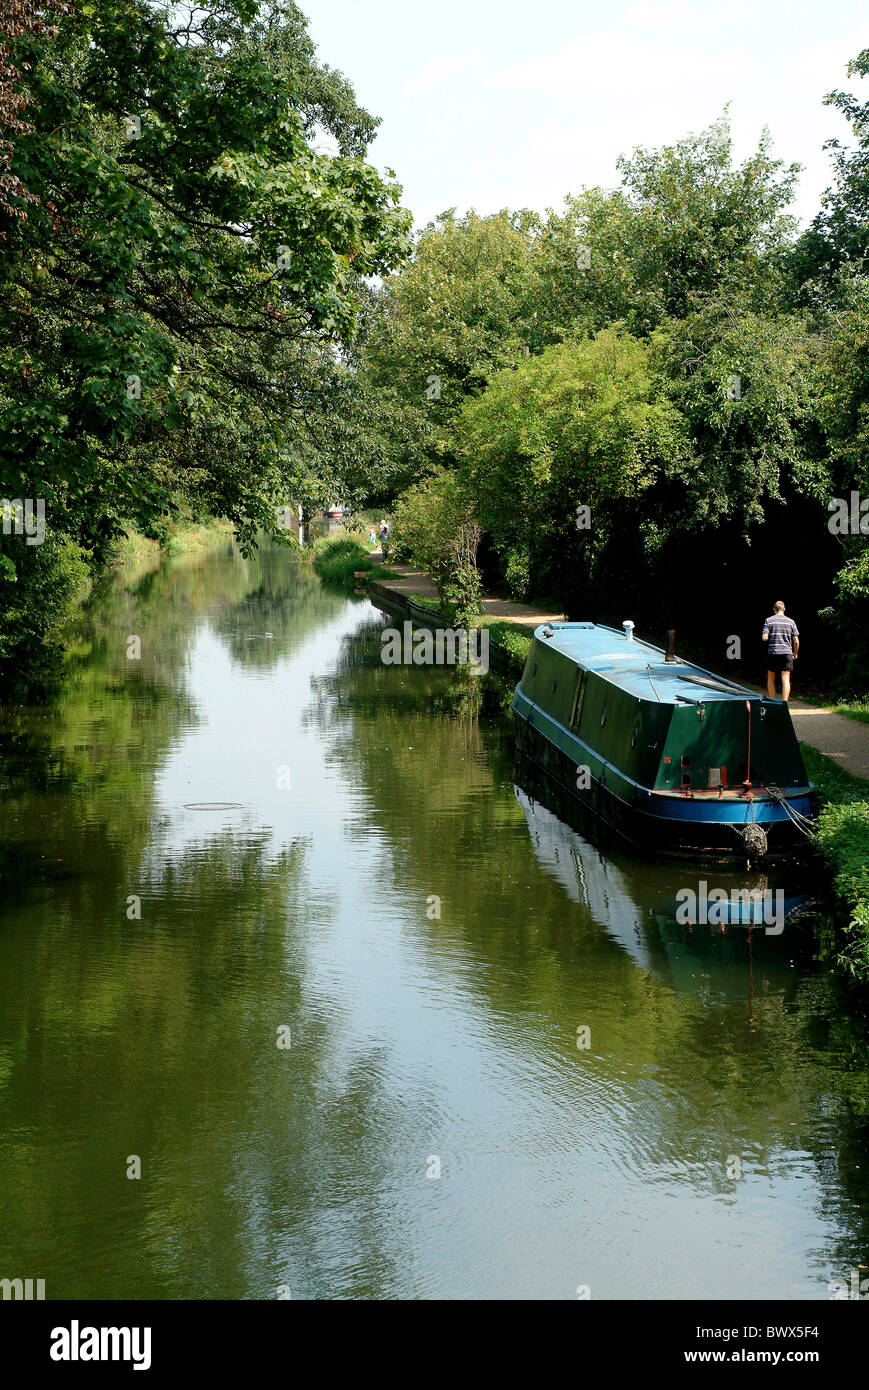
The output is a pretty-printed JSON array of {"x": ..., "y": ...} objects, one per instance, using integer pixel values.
[{"x": 678, "y": 827}]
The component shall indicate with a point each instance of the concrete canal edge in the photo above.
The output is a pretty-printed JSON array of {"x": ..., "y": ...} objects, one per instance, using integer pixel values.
[{"x": 397, "y": 596}]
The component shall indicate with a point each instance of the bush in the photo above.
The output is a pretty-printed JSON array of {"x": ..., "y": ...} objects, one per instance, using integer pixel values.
[
  {"x": 40, "y": 587},
  {"x": 511, "y": 643},
  {"x": 336, "y": 559},
  {"x": 842, "y": 836},
  {"x": 435, "y": 524}
]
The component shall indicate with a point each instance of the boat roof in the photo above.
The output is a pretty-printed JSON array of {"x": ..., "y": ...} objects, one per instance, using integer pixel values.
[{"x": 630, "y": 664}]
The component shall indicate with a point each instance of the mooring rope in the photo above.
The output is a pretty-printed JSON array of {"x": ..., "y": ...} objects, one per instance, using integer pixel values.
[{"x": 802, "y": 822}]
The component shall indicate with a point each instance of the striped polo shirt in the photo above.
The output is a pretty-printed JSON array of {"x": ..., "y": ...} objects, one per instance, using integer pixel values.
[{"x": 782, "y": 632}]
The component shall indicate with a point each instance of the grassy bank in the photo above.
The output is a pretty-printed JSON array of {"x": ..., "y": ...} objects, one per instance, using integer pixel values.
[
  {"x": 136, "y": 551},
  {"x": 843, "y": 841},
  {"x": 853, "y": 709},
  {"x": 511, "y": 642},
  {"x": 336, "y": 559}
]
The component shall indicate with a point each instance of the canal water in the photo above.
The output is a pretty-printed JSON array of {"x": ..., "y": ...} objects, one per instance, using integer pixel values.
[{"x": 285, "y": 932}]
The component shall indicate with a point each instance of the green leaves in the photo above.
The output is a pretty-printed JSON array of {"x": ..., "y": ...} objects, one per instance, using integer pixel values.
[
  {"x": 180, "y": 295},
  {"x": 583, "y": 424}
]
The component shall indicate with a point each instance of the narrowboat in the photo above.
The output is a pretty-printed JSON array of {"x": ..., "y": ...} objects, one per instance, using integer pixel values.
[{"x": 675, "y": 759}]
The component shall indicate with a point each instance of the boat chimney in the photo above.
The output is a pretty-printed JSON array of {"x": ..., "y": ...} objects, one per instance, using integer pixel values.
[
  {"x": 671, "y": 644},
  {"x": 629, "y": 630}
]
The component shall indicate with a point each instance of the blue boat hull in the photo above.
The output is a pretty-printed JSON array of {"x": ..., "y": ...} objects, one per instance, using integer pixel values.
[{"x": 682, "y": 827}]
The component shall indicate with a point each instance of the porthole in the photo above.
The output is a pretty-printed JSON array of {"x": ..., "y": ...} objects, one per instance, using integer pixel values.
[
  {"x": 635, "y": 735},
  {"x": 603, "y": 719},
  {"x": 555, "y": 683},
  {"x": 534, "y": 669}
]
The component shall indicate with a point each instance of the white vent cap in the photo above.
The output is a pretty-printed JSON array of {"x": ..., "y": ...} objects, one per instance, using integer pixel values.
[{"x": 629, "y": 630}]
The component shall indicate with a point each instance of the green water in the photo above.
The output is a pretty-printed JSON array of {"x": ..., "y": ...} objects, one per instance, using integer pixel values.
[{"x": 419, "y": 1043}]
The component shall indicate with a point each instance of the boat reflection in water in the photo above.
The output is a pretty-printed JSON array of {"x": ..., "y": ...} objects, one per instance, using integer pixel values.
[{"x": 646, "y": 906}]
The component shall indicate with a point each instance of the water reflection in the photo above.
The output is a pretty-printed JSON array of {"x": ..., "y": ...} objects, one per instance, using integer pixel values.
[{"x": 638, "y": 905}]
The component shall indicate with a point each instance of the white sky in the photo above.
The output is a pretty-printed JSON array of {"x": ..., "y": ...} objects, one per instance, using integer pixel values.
[{"x": 513, "y": 103}]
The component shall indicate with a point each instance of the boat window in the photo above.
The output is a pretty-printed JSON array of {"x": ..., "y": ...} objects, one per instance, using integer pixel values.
[
  {"x": 635, "y": 735},
  {"x": 534, "y": 669},
  {"x": 555, "y": 683},
  {"x": 603, "y": 719}
]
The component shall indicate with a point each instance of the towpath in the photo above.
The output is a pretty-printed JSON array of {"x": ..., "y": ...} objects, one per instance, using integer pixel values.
[
  {"x": 846, "y": 741},
  {"x": 414, "y": 581}
]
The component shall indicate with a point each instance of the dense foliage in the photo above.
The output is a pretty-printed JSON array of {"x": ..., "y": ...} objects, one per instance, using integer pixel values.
[
  {"x": 657, "y": 384},
  {"x": 182, "y": 265},
  {"x": 436, "y": 524},
  {"x": 209, "y": 306}
]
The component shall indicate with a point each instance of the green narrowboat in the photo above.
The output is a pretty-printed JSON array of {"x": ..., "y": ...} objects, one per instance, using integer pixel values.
[{"x": 674, "y": 758}]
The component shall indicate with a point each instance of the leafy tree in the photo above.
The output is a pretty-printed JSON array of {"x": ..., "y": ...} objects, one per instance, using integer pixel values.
[
  {"x": 844, "y": 412},
  {"x": 837, "y": 241},
  {"x": 435, "y": 524},
  {"x": 464, "y": 308},
  {"x": 686, "y": 227},
  {"x": 561, "y": 452},
  {"x": 745, "y": 383},
  {"x": 20, "y": 17},
  {"x": 182, "y": 265}
]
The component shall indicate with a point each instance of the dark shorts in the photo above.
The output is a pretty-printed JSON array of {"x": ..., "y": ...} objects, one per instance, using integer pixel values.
[{"x": 783, "y": 661}]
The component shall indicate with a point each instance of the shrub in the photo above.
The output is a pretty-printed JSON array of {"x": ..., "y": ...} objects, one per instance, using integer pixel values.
[
  {"x": 435, "y": 524},
  {"x": 842, "y": 836},
  {"x": 40, "y": 587},
  {"x": 336, "y": 559}
]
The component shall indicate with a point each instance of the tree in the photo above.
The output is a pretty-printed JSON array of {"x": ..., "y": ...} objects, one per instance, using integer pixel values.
[
  {"x": 21, "y": 17},
  {"x": 435, "y": 524},
  {"x": 459, "y": 312},
  {"x": 686, "y": 227},
  {"x": 746, "y": 384},
  {"x": 181, "y": 264},
  {"x": 844, "y": 413},
  {"x": 560, "y": 454},
  {"x": 203, "y": 246},
  {"x": 837, "y": 242}
]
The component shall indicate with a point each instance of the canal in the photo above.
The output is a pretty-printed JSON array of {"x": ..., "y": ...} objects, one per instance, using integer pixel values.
[{"x": 306, "y": 991}]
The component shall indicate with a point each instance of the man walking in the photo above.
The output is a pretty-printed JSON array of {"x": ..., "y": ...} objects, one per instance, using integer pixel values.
[{"x": 783, "y": 642}]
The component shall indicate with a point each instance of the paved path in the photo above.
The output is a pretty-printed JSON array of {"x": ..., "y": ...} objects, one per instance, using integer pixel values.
[
  {"x": 846, "y": 741},
  {"x": 414, "y": 581}
]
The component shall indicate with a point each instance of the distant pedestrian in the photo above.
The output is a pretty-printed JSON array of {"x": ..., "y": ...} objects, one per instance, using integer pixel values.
[
  {"x": 783, "y": 642},
  {"x": 384, "y": 537},
  {"x": 372, "y": 538}
]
